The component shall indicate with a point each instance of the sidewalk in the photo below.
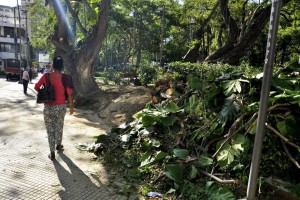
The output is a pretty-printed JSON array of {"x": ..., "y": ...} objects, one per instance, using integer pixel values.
[{"x": 25, "y": 170}]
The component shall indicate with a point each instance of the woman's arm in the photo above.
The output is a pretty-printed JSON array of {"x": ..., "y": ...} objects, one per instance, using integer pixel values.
[
  {"x": 38, "y": 85},
  {"x": 71, "y": 103}
]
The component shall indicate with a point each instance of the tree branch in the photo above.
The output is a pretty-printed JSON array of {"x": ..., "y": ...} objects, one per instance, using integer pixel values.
[
  {"x": 233, "y": 31},
  {"x": 192, "y": 54},
  {"x": 90, "y": 9},
  {"x": 294, "y": 161},
  {"x": 75, "y": 16},
  {"x": 286, "y": 140},
  {"x": 217, "y": 178},
  {"x": 229, "y": 135}
]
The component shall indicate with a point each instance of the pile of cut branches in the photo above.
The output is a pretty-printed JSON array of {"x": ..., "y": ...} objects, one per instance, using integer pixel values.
[{"x": 195, "y": 139}]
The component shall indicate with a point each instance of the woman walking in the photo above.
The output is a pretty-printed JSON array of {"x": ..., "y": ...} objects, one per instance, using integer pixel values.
[
  {"x": 25, "y": 80},
  {"x": 54, "y": 112}
]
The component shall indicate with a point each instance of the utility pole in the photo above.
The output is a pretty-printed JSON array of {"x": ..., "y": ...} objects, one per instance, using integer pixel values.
[
  {"x": 20, "y": 41},
  {"x": 265, "y": 90},
  {"x": 27, "y": 40},
  {"x": 15, "y": 35}
]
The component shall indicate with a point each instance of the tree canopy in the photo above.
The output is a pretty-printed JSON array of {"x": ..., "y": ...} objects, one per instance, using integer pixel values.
[{"x": 111, "y": 34}]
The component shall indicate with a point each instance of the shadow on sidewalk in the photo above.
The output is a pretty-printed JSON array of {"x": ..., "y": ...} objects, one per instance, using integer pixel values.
[{"x": 76, "y": 184}]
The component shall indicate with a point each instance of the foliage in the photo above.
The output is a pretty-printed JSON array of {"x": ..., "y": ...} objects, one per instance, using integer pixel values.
[
  {"x": 147, "y": 73},
  {"x": 46, "y": 21},
  {"x": 193, "y": 131},
  {"x": 209, "y": 191}
]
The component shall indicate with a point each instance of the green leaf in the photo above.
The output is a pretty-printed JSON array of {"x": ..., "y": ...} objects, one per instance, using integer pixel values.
[
  {"x": 216, "y": 192},
  {"x": 228, "y": 152},
  {"x": 204, "y": 161},
  {"x": 160, "y": 155},
  {"x": 148, "y": 120},
  {"x": 229, "y": 109},
  {"x": 195, "y": 83},
  {"x": 289, "y": 126},
  {"x": 192, "y": 173},
  {"x": 172, "y": 107},
  {"x": 155, "y": 143},
  {"x": 174, "y": 172},
  {"x": 222, "y": 194},
  {"x": 181, "y": 153},
  {"x": 146, "y": 158},
  {"x": 234, "y": 86},
  {"x": 192, "y": 103},
  {"x": 168, "y": 121}
]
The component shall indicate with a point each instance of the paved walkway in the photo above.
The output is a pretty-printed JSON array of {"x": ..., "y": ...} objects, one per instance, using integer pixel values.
[{"x": 25, "y": 170}]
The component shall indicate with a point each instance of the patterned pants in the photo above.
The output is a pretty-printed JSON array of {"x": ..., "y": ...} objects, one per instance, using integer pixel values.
[{"x": 54, "y": 116}]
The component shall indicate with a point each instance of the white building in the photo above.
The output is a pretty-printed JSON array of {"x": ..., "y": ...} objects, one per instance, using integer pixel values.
[{"x": 14, "y": 33}]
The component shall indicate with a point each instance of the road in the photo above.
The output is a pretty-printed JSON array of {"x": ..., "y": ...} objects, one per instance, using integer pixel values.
[{"x": 25, "y": 170}]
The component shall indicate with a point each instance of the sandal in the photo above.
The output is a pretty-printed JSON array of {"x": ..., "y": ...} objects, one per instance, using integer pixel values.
[
  {"x": 51, "y": 156},
  {"x": 59, "y": 147}
]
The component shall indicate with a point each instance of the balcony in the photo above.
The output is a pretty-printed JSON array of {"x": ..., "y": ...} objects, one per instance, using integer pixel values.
[{"x": 7, "y": 39}]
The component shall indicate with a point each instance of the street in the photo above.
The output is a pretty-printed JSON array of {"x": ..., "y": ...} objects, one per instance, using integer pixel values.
[{"x": 25, "y": 170}]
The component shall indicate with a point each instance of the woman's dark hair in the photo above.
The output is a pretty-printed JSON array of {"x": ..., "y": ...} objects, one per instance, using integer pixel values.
[{"x": 58, "y": 63}]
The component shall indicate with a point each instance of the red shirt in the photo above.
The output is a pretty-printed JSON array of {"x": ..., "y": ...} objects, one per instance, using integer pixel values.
[{"x": 56, "y": 82}]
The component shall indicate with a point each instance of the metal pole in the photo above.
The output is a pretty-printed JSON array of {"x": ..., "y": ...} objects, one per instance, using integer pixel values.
[
  {"x": 20, "y": 42},
  {"x": 27, "y": 40},
  {"x": 19, "y": 31},
  {"x": 265, "y": 90},
  {"x": 15, "y": 35}
]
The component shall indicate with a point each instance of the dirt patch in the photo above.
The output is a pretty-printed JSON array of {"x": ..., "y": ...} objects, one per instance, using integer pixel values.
[{"x": 118, "y": 103}]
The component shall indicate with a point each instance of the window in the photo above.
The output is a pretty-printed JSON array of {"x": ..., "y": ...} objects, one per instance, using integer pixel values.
[
  {"x": 4, "y": 47},
  {"x": 7, "y": 48},
  {"x": 13, "y": 49}
]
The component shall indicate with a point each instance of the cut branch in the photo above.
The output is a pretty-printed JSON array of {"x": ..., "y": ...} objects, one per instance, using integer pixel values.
[
  {"x": 229, "y": 135},
  {"x": 286, "y": 140},
  {"x": 217, "y": 178},
  {"x": 294, "y": 161}
]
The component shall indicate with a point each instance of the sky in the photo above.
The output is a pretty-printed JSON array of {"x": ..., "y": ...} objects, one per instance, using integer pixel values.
[{"x": 11, "y": 3}]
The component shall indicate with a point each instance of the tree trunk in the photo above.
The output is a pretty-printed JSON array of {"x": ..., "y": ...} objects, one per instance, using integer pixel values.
[
  {"x": 232, "y": 51},
  {"x": 80, "y": 61},
  {"x": 235, "y": 47},
  {"x": 193, "y": 54}
]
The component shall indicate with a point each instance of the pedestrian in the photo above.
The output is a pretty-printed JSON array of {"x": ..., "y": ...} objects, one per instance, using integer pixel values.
[
  {"x": 54, "y": 112},
  {"x": 47, "y": 69},
  {"x": 25, "y": 80},
  {"x": 30, "y": 74}
]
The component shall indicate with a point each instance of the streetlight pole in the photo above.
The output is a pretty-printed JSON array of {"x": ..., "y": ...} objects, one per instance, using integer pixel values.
[
  {"x": 265, "y": 90},
  {"x": 27, "y": 39},
  {"x": 20, "y": 40},
  {"x": 15, "y": 35}
]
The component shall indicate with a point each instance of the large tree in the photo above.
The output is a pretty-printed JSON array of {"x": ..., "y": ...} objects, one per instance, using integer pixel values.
[
  {"x": 241, "y": 33},
  {"x": 80, "y": 56}
]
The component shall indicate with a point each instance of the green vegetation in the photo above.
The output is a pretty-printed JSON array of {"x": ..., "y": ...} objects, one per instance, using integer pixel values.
[
  {"x": 202, "y": 119},
  {"x": 204, "y": 130}
]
